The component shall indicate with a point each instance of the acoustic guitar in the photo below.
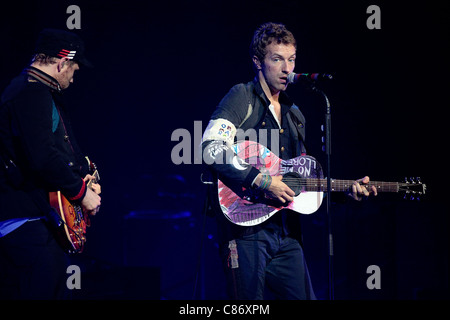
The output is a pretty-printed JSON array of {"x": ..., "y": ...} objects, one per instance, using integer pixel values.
[{"x": 303, "y": 174}]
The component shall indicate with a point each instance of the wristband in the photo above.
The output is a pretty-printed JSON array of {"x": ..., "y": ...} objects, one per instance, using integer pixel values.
[{"x": 266, "y": 181}]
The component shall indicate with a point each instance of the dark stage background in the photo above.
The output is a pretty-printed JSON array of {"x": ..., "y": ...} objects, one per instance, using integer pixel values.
[{"x": 160, "y": 66}]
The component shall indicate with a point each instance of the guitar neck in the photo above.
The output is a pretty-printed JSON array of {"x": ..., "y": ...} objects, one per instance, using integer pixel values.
[{"x": 345, "y": 185}]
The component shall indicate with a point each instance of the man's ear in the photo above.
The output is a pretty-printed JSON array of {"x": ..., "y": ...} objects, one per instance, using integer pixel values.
[
  {"x": 61, "y": 63},
  {"x": 257, "y": 63}
]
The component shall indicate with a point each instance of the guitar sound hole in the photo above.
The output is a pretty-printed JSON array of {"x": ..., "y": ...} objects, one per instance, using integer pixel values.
[{"x": 292, "y": 180}]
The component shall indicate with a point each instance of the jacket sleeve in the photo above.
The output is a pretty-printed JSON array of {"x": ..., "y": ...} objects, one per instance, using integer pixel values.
[
  {"x": 32, "y": 121},
  {"x": 217, "y": 150}
]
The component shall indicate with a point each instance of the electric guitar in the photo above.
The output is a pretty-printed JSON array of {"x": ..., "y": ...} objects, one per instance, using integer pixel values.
[
  {"x": 250, "y": 207},
  {"x": 73, "y": 221}
]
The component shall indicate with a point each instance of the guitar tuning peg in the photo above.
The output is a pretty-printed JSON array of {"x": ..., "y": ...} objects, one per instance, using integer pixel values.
[
  {"x": 418, "y": 180},
  {"x": 407, "y": 195},
  {"x": 406, "y": 180},
  {"x": 411, "y": 179}
]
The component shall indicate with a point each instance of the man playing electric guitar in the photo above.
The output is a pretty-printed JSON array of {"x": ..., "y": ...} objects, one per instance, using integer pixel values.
[
  {"x": 268, "y": 254},
  {"x": 39, "y": 155}
]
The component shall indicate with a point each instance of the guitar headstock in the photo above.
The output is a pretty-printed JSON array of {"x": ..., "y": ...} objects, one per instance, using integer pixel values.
[
  {"x": 413, "y": 188},
  {"x": 92, "y": 165},
  {"x": 96, "y": 176}
]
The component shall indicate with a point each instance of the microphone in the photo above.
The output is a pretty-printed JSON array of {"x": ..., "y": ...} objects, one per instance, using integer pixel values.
[{"x": 296, "y": 77}]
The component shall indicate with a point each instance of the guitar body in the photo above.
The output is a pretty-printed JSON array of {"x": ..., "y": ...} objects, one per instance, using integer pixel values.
[
  {"x": 247, "y": 207},
  {"x": 74, "y": 221},
  {"x": 72, "y": 233}
]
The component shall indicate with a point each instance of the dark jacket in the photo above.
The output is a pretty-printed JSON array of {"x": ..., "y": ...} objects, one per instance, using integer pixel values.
[
  {"x": 36, "y": 135},
  {"x": 246, "y": 106}
]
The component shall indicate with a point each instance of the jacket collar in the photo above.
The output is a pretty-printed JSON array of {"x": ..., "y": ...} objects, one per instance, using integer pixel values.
[
  {"x": 43, "y": 77},
  {"x": 284, "y": 98}
]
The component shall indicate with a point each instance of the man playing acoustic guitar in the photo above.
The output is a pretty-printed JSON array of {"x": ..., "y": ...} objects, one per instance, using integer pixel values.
[
  {"x": 269, "y": 253},
  {"x": 39, "y": 155}
]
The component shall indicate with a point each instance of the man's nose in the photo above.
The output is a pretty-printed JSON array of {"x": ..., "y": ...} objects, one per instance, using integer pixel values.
[{"x": 285, "y": 68}]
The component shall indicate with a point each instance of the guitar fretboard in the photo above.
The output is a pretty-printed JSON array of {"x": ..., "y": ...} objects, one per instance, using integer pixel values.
[{"x": 344, "y": 185}]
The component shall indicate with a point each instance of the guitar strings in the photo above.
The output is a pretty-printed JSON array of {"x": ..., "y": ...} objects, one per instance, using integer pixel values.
[
  {"x": 309, "y": 181},
  {"x": 333, "y": 180},
  {"x": 320, "y": 183}
]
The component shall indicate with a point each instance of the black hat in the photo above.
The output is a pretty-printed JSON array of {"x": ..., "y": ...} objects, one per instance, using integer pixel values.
[{"x": 60, "y": 44}]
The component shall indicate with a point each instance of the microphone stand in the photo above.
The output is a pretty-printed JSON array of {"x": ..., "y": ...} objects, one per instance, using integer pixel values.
[{"x": 327, "y": 149}]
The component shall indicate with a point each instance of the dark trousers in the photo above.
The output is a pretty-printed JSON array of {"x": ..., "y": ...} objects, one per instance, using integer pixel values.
[
  {"x": 266, "y": 259},
  {"x": 32, "y": 264}
]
